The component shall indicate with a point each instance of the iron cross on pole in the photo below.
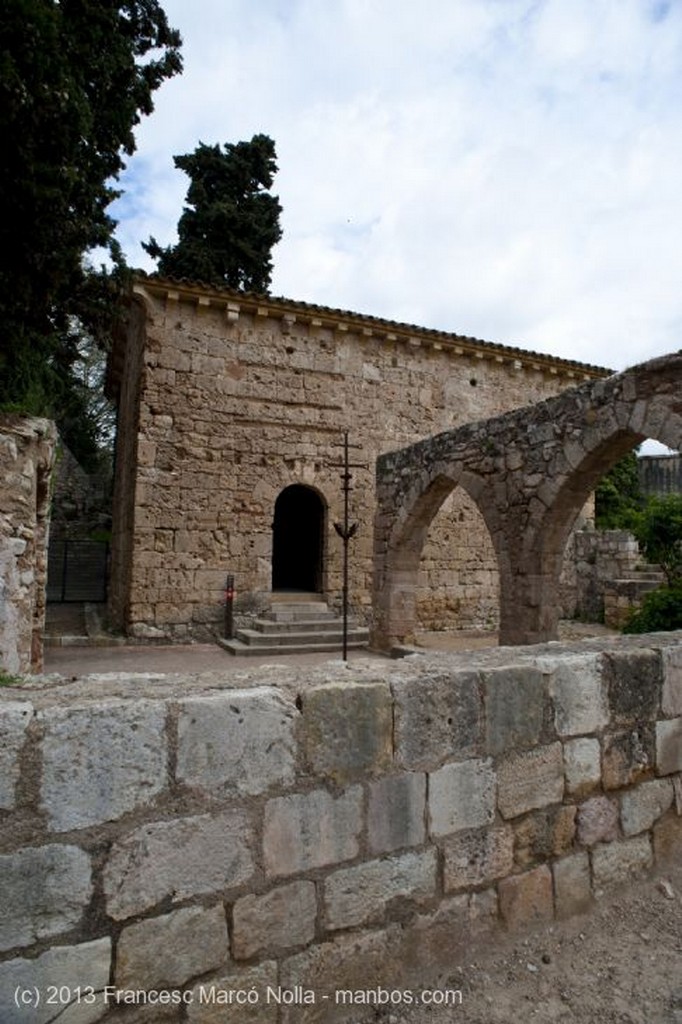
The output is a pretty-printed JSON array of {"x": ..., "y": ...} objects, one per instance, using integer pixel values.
[{"x": 346, "y": 530}]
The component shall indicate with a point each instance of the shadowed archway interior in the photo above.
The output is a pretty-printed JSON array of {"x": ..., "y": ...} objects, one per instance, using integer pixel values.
[{"x": 298, "y": 540}]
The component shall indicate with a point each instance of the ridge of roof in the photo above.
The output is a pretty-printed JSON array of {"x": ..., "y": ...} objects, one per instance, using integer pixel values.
[{"x": 234, "y": 294}]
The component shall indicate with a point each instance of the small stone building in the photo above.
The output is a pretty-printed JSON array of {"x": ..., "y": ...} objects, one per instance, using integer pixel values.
[{"x": 232, "y": 409}]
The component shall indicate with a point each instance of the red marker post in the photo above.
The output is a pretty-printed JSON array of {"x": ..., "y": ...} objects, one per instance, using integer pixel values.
[{"x": 230, "y": 594}]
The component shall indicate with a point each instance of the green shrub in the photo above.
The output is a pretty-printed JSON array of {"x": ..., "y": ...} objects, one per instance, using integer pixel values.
[
  {"x": 7, "y": 679},
  {"x": 659, "y": 532},
  {"x": 661, "y": 610}
]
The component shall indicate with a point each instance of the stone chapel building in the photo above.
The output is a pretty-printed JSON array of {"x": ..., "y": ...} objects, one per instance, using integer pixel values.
[{"x": 231, "y": 413}]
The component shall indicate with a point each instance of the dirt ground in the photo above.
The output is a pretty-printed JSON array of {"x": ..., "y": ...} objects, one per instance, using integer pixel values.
[{"x": 620, "y": 964}]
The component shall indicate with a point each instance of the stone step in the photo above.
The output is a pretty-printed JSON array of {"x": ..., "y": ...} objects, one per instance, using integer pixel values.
[
  {"x": 299, "y": 611},
  {"x": 254, "y": 638},
  {"x": 236, "y": 647},
  {"x": 326, "y": 625}
]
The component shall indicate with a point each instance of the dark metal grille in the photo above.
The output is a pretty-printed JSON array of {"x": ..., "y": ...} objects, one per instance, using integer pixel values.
[{"x": 77, "y": 570}]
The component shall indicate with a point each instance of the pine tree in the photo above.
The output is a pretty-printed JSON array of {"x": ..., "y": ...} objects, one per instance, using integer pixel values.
[{"x": 230, "y": 222}]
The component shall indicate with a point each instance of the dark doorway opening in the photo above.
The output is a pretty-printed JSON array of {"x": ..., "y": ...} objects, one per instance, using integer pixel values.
[{"x": 297, "y": 542}]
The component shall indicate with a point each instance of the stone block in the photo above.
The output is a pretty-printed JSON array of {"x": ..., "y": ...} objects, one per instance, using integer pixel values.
[
  {"x": 671, "y": 703},
  {"x": 530, "y": 780},
  {"x": 362, "y": 893},
  {"x": 178, "y": 859},
  {"x": 572, "y": 887},
  {"x": 311, "y": 830},
  {"x": 579, "y": 695},
  {"x": 161, "y": 952},
  {"x": 627, "y": 756},
  {"x": 634, "y": 680},
  {"x": 473, "y": 859},
  {"x": 85, "y": 966},
  {"x": 483, "y": 912},
  {"x": 641, "y": 807},
  {"x": 582, "y": 765},
  {"x": 101, "y": 761},
  {"x": 280, "y": 919},
  {"x": 616, "y": 862},
  {"x": 224, "y": 1000},
  {"x": 526, "y": 900},
  {"x": 336, "y": 969},
  {"x": 432, "y": 941},
  {"x": 514, "y": 708},
  {"x": 44, "y": 891},
  {"x": 597, "y": 821},
  {"x": 438, "y": 716},
  {"x": 347, "y": 729},
  {"x": 15, "y": 716},
  {"x": 239, "y": 740},
  {"x": 396, "y": 812},
  {"x": 669, "y": 746},
  {"x": 461, "y": 796},
  {"x": 543, "y": 834},
  {"x": 668, "y": 838}
]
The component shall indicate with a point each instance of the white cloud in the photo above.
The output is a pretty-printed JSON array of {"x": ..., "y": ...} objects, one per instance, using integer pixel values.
[{"x": 508, "y": 169}]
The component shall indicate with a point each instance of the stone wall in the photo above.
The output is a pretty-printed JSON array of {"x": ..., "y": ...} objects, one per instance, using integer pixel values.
[
  {"x": 600, "y": 557},
  {"x": 81, "y": 502},
  {"x": 302, "y": 834},
  {"x": 612, "y": 576},
  {"x": 26, "y": 457},
  {"x": 660, "y": 474},
  {"x": 226, "y": 399}
]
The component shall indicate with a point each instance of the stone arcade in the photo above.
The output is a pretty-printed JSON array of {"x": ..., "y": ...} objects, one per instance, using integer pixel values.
[{"x": 231, "y": 413}]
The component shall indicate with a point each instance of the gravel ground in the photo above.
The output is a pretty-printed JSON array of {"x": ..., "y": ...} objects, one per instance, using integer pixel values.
[{"x": 620, "y": 964}]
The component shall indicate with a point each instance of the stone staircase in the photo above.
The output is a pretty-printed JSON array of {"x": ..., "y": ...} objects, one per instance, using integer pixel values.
[
  {"x": 624, "y": 595},
  {"x": 301, "y": 624}
]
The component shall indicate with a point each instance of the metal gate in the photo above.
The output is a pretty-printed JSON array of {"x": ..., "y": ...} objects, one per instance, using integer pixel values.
[{"x": 77, "y": 570}]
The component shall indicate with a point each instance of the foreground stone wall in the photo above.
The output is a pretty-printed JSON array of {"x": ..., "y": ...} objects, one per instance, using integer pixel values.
[
  {"x": 352, "y": 828},
  {"x": 27, "y": 447},
  {"x": 226, "y": 399}
]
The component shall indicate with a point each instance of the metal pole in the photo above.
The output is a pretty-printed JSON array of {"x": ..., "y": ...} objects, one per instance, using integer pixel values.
[
  {"x": 346, "y": 530},
  {"x": 346, "y": 538}
]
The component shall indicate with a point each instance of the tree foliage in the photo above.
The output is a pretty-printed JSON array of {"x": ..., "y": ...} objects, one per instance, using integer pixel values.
[
  {"x": 230, "y": 222},
  {"x": 658, "y": 530},
  {"x": 618, "y": 497},
  {"x": 75, "y": 78}
]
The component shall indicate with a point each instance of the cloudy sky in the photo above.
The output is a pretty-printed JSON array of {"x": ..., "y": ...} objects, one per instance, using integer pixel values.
[{"x": 505, "y": 169}]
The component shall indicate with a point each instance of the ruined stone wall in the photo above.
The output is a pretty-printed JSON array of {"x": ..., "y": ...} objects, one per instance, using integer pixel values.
[
  {"x": 238, "y": 400},
  {"x": 327, "y": 829},
  {"x": 26, "y": 458},
  {"x": 600, "y": 557},
  {"x": 660, "y": 474}
]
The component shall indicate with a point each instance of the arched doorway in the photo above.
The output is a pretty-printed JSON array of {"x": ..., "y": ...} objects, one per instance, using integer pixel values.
[{"x": 298, "y": 540}]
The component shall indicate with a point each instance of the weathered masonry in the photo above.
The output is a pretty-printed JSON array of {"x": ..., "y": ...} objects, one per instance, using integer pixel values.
[
  {"x": 27, "y": 448},
  {"x": 321, "y": 828},
  {"x": 530, "y": 473},
  {"x": 231, "y": 413}
]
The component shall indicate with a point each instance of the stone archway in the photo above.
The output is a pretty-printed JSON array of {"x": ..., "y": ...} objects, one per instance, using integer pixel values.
[
  {"x": 530, "y": 473},
  {"x": 298, "y": 540}
]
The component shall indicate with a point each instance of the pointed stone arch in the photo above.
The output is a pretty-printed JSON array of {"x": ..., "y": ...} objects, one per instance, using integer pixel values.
[{"x": 529, "y": 473}]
